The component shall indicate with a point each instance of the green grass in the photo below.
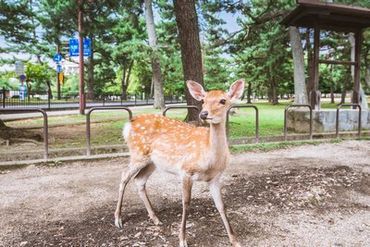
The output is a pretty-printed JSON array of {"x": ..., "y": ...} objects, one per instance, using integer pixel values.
[{"x": 271, "y": 120}]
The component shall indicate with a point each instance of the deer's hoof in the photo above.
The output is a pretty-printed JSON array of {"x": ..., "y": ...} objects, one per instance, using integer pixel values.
[
  {"x": 118, "y": 222},
  {"x": 236, "y": 244},
  {"x": 156, "y": 221},
  {"x": 183, "y": 243}
]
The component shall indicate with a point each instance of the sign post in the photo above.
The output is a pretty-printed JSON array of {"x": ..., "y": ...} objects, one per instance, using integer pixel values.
[
  {"x": 81, "y": 58},
  {"x": 57, "y": 59}
]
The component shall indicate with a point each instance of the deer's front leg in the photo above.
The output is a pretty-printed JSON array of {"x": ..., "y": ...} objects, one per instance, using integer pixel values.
[
  {"x": 187, "y": 184},
  {"x": 215, "y": 188}
]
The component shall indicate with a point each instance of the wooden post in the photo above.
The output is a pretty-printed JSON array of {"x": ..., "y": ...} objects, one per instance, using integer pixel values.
[
  {"x": 315, "y": 73},
  {"x": 81, "y": 57},
  {"x": 58, "y": 82},
  {"x": 356, "y": 86}
]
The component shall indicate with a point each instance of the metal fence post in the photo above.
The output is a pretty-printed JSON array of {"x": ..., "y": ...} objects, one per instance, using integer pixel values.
[
  {"x": 337, "y": 118},
  {"x": 244, "y": 106},
  {"x": 45, "y": 125},
  {"x": 88, "y": 122}
]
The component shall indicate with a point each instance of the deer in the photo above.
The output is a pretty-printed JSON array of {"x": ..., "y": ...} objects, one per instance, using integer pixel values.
[{"x": 193, "y": 153}]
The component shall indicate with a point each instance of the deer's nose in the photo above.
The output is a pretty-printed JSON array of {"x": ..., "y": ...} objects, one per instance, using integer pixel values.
[{"x": 203, "y": 115}]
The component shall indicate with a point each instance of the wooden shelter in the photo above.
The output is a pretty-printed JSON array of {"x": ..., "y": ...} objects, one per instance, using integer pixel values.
[{"x": 332, "y": 17}]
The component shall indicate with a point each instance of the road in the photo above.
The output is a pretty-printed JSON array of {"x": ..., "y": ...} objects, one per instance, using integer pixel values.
[{"x": 69, "y": 109}]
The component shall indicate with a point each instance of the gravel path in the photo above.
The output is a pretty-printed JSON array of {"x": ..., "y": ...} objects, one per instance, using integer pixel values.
[{"x": 303, "y": 196}]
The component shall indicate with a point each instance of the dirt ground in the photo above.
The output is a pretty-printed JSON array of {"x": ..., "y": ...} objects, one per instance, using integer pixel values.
[{"x": 303, "y": 196}]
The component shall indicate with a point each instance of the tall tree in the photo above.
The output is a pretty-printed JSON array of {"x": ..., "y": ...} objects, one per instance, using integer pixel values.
[
  {"x": 191, "y": 56},
  {"x": 298, "y": 62},
  {"x": 363, "y": 98},
  {"x": 156, "y": 66}
]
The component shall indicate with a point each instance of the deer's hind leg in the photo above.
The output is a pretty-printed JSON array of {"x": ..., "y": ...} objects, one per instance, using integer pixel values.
[
  {"x": 135, "y": 166},
  {"x": 141, "y": 178}
]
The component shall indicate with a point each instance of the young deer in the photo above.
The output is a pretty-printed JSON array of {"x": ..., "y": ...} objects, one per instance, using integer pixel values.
[{"x": 193, "y": 153}]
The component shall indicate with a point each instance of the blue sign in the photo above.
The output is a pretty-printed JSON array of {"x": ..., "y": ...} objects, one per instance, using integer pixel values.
[
  {"x": 22, "y": 78},
  {"x": 74, "y": 49},
  {"x": 59, "y": 68},
  {"x": 57, "y": 57}
]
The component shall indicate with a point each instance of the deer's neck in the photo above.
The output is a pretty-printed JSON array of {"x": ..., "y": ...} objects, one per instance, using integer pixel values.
[{"x": 218, "y": 140}]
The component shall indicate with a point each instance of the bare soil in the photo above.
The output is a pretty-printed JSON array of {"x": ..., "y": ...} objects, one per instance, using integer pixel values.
[{"x": 302, "y": 196}]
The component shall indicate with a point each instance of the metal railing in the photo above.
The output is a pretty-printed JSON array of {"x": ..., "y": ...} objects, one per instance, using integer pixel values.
[
  {"x": 181, "y": 107},
  {"x": 88, "y": 122},
  {"x": 44, "y": 100},
  {"x": 244, "y": 106},
  {"x": 45, "y": 127},
  {"x": 285, "y": 118},
  {"x": 337, "y": 118}
]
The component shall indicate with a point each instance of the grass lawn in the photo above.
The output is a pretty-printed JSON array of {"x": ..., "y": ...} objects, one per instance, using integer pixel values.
[{"x": 106, "y": 128}]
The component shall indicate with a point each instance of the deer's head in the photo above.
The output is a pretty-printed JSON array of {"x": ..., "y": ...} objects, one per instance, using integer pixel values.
[{"x": 215, "y": 103}]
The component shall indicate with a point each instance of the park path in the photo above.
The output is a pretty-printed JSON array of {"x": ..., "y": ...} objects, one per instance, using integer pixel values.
[{"x": 308, "y": 196}]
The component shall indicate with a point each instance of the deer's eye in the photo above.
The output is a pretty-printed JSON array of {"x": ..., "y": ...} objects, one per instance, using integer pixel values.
[{"x": 223, "y": 101}]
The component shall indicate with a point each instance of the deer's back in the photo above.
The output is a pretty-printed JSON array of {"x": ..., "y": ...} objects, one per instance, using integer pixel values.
[{"x": 150, "y": 132}]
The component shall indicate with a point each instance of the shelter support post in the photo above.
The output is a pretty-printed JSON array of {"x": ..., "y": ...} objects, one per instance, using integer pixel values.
[
  {"x": 314, "y": 102},
  {"x": 356, "y": 86}
]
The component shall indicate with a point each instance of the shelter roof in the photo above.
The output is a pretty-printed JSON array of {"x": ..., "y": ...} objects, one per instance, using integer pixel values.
[{"x": 328, "y": 16}]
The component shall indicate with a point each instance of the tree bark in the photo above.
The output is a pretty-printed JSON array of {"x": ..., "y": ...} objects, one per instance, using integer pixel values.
[
  {"x": 332, "y": 94},
  {"x": 156, "y": 66},
  {"x": 191, "y": 56},
  {"x": 310, "y": 67},
  {"x": 249, "y": 93},
  {"x": 126, "y": 80},
  {"x": 124, "y": 85},
  {"x": 90, "y": 73},
  {"x": 363, "y": 98},
  {"x": 298, "y": 61}
]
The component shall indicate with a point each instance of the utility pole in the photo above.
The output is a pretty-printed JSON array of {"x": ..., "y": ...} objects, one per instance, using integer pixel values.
[
  {"x": 58, "y": 82},
  {"x": 81, "y": 57}
]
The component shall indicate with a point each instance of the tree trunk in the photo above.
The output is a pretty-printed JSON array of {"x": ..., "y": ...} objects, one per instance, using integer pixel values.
[
  {"x": 298, "y": 61},
  {"x": 249, "y": 92},
  {"x": 191, "y": 56},
  {"x": 343, "y": 96},
  {"x": 363, "y": 98},
  {"x": 310, "y": 67},
  {"x": 126, "y": 80},
  {"x": 124, "y": 85},
  {"x": 367, "y": 75},
  {"x": 274, "y": 92},
  {"x": 156, "y": 66},
  {"x": 90, "y": 73},
  {"x": 332, "y": 94}
]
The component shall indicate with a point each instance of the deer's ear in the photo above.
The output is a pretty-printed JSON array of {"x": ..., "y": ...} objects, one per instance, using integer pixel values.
[
  {"x": 236, "y": 90},
  {"x": 196, "y": 90}
]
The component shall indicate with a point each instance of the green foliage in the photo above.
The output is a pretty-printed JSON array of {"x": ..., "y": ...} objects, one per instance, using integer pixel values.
[
  {"x": 70, "y": 86},
  {"x": 38, "y": 75},
  {"x": 8, "y": 81},
  {"x": 259, "y": 51}
]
